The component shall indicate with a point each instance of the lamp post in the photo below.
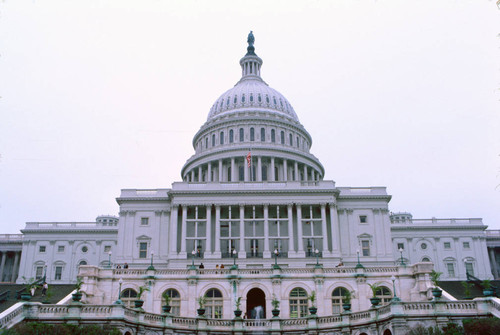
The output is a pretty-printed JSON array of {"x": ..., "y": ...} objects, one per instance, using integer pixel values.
[
  {"x": 234, "y": 254},
  {"x": 402, "y": 259},
  {"x": 359, "y": 265},
  {"x": 119, "y": 301},
  {"x": 394, "y": 289},
  {"x": 317, "y": 257},
  {"x": 109, "y": 259},
  {"x": 276, "y": 253},
  {"x": 193, "y": 253},
  {"x": 151, "y": 267}
]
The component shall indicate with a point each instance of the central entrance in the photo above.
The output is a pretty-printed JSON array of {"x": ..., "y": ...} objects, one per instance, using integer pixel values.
[{"x": 256, "y": 304}]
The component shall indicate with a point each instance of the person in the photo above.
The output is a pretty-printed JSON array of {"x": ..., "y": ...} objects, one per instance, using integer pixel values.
[
  {"x": 125, "y": 266},
  {"x": 45, "y": 287},
  {"x": 217, "y": 269},
  {"x": 202, "y": 266},
  {"x": 222, "y": 266},
  {"x": 33, "y": 289}
]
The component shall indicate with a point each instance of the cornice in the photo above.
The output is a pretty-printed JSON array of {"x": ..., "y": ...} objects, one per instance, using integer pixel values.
[
  {"x": 441, "y": 228},
  {"x": 69, "y": 231},
  {"x": 119, "y": 200}
]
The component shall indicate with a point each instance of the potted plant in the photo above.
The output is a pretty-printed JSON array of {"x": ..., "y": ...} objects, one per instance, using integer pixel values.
[
  {"x": 436, "y": 291},
  {"x": 276, "y": 305},
  {"x": 166, "y": 308},
  {"x": 201, "y": 304},
  {"x": 374, "y": 299},
  {"x": 29, "y": 285},
  {"x": 48, "y": 296},
  {"x": 487, "y": 290},
  {"x": 312, "y": 297},
  {"x": 346, "y": 301},
  {"x": 77, "y": 296},
  {"x": 237, "y": 312},
  {"x": 139, "y": 302},
  {"x": 467, "y": 289}
]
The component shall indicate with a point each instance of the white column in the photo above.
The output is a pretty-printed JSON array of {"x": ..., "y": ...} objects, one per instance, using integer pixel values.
[
  {"x": 174, "y": 216},
  {"x": 233, "y": 171},
  {"x": 2, "y": 266},
  {"x": 209, "y": 172},
  {"x": 242, "y": 253},
  {"x": 200, "y": 173},
  {"x": 183, "y": 231},
  {"x": 334, "y": 221},
  {"x": 209, "y": 230},
  {"x": 246, "y": 169},
  {"x": 271, "y": 174},
  {"x": 259, "y": 168},
  {"x": 324, "y": 230},
  {"x": 291, "y": 244},
  {"x": 192, "y": 176},
  {"x": 15, "y": 267},
  {"x": 300, "y": 241},
  {"x": 267, "y": 253},
  {"x": 220, "y": 170},
  {"x": 296, "y": 171},
  {"x": 285, "y": 172},
  {"x": 493, "y": 262},
  {"x": 305, "y": 172},
  {"x": 217, "y": 231}
]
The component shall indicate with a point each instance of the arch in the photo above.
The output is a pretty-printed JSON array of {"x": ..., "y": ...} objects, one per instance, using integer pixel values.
[
  {"x": 213, "y": 303},
  {"x": 252, "y": 134},
  {"x": 338, "y": 299},
  {"x": 282, "y": 137},
  {"x": 262, "y": 134},
  {"x": 273, "y": 135},
  {"x": 256, "y": 304},
  {"x": 384, "y": 293},
  {"x": 242, "y": 134},
  {"x": 175, "y": 301},
  {"x": 128, "y": 296},
  {"x": 231, "y": 136},
  {"x": 221, "y": 138},
  {"x": 426, "y": 259},
  {"x": 387, "y": 332},
  {"x": 298, "y": 302}
]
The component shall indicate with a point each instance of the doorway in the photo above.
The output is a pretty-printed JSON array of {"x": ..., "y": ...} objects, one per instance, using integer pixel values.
[{"x": 256, "y": 304}]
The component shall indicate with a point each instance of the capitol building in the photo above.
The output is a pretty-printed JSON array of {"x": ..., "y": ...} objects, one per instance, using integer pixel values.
[{"x": 253, "y": 223}]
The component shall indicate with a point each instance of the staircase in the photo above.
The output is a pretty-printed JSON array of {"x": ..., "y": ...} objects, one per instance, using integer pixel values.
[
  {"x": 456, "y": 289},
  {"x": 9, "y": 294}
]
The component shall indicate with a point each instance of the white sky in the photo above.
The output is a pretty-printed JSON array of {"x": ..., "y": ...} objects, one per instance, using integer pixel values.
[{"x": 97, "y": 96}]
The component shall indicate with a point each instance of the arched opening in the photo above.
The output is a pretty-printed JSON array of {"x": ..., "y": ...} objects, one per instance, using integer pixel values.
[
  {"x": 256, "y": 304},
  {"x": 387, "y": 332}
]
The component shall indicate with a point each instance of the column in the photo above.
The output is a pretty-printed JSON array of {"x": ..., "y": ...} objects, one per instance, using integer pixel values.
[
  {"x": 267, "y": 253},
  {"x": 271, "y": 173},
  {"x": 217, "y": 231},
  {"x": 324, "y": 230},
  {"x": 233, "y": 171},
  {"x": 192, "y": 176},
  {"x": 305, "y": 172},
  {"x": 296, "y": 171},
  {"x": 209, "y": 172},
  {"x": 200, "y": 173},
  {"x": 173, "y": 229},
  {"x": 246, "y": 169},
  {"x": 209, "y": 230},
  {"x": 2, "y": 266},
  {"x": 220, "y": 170},
  {"x": 183, "y": 231},
  {"x": 300, "y": 246},
  {"x": 334, "y": 221},
  {"x": 259, "y": 168},
  {"x": 242, "y": 253},
  {"x": 313, "y": 177},
  {"x": 285, "y": 172},
  {"x": 15, "y": 267},
  {"x": 291, "y": 244}
]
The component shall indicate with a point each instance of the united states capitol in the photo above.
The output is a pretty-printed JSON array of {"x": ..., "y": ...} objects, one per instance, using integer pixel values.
[{"x": 254, "y": 239}]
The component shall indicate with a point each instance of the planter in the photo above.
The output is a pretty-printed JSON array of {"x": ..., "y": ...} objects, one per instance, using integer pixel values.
[
  {"x": 436, "y": 292},
  {"x": 26, "y": 296},
  {"x": 237, "y": 313},
  {"x": 201, "y": 311},
  {"x": 346, "y": 307},
  {"x": 77, "y": 296},
  {"x": 166, "y": 308},
  {"x": 138, "y": 303},
  {"x": 313, "y": 310},
  {"x": 375, "y": 301},
  {"x": 276, "y": 313},
  {"x": 488, "y": 293}
]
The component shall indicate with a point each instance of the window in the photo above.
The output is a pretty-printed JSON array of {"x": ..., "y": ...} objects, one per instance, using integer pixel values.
[
  {"x": 85, "y": 249},
  {"x": 426, "y": 259},
  {"x": 469, "y": 268},
  {"x": 206, "y": 143},
  {"x": 252, "y": 134},
  {"x": 60, "y": 248},
  {"x": 384, "y": 294},
  {"x": 291, "y": 139},
  {"x": 466, "y": 245},
  {"x": 282, "y": 135},
  {"x": 262, "y": 134},
  {"x": 338, "y": 298},
  {"x": 42, "y": 248},
  {"x": 128, "y": 296},
  {"x": 423, "y": 246},
  {"x": 107, "y": 248},
  {"x": 451, "y": 269},
  {"x": 144, "y": 221},
  {"x": 228, "y": 174},
  {"x": 363, "y": 219},
  {"x": 143, "y": 250},
  {"x": 39, "y": 272},
  {"x": 401, "y": 246},
  {"x": 273, "y": 136},
  {"x": 298, "y": 303},
  {"x": 231, "y": 136},
  {"x": 58, "y": 273},
  {"x": 213, "y": 304},
  {"x": 447, "y": 245},
  {"x": 82, "y": 263},
  {"x": 221, "y": 138},
  {"x": 365, "y": 247},
  {"x": 241, "y": 174},
  {"x": 175, "y": 301},
  {"x": 213, "y": 140},
  {"x": 264, "y": 173},
  {"x": 242, "y": 135},
  {"x": 298, "y": 142}
]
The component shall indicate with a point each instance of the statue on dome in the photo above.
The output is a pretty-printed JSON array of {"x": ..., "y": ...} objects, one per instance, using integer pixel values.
[{"x": 250, "y": 40}]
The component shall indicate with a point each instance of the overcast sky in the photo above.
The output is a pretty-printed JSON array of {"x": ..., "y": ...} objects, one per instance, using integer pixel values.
[{"x": 97, "y": 96}]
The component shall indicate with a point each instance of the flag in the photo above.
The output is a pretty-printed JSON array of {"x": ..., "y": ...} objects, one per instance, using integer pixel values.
[{"x": 249, "y": 158}]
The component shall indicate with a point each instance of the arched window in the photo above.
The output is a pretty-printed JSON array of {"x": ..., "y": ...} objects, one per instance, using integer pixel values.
[
  {"x": 229, "y": 174},
  {"x": 298, "y": 303},
  {"x": 384, "y": 294},
  {"x": 175, "y": 301},
  {"x": 291, "y": 139},
  {"x": 242, "y": 135},
  {"x": 82, "y": 263},
  {"x": 221, "y": 139},
  {"x": 264, "y": 173},
  {"x": 213, "y": 304},
  {"x": 252, "y": 134},
  {"x": 262, "y": 134},
  {"x": 206, "y": 143},
  {"x": 231, "y": 136},
  {"x": 241, "y": 174},
  {"x": 298, "y": 142},
  {"x": 273, "y": 135},
  {"x": 128, "y": 297},
  {"x": 338, "y": 298},
  {"x": 426, "y": 259},
  {"x": 213, "y": 140},
  {"x": 251, "y": 97},
  {"x": 282, "y": 137}
]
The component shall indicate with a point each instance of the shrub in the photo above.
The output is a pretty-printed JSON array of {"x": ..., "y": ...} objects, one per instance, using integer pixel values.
[
  {"x": 39, "y": 328},
  {"x": 487, "y": 326}
]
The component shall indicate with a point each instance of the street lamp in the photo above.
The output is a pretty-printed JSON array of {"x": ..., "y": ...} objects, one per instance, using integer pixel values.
[
  {"x": 402, "y": 259},
  {"x": 151, "y": 267},
  {"x": 109, "y": 259},
  {"x": 193, "y": 253},
  {"x": 234, "y": 254},
  {"x": 394, "y": 289},
  {"x": 119, "y": 301},
  {"x": 359, "y": 265},
  {"x": 317, "y": 256},
  {"x": 276, "y": 253}
]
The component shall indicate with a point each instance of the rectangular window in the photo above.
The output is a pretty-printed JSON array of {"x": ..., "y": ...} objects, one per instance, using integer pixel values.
[
  {"x": 365, "y": 246},
  {"x": 42, "y": 248},
  {"x": 363, "y": 219},
  {"x": 466, "y": 245},
  {"x": 58, "y": 274},
  {"x": 469, "y": 268},
  {"x": 143, "y": 250},
  {"x": 107, "y": 248},
  {"x": 451, "y": 269},
  {"x": 144, "y": 221},
  {"x": 401, "y": 246},
  {"x": 60, "y": 248},
  {"x": 447, "y": 245},
  {"x": 39, "y": 272}
]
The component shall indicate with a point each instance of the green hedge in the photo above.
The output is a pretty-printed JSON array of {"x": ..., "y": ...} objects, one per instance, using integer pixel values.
[{"x": 37, "y": 328}]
